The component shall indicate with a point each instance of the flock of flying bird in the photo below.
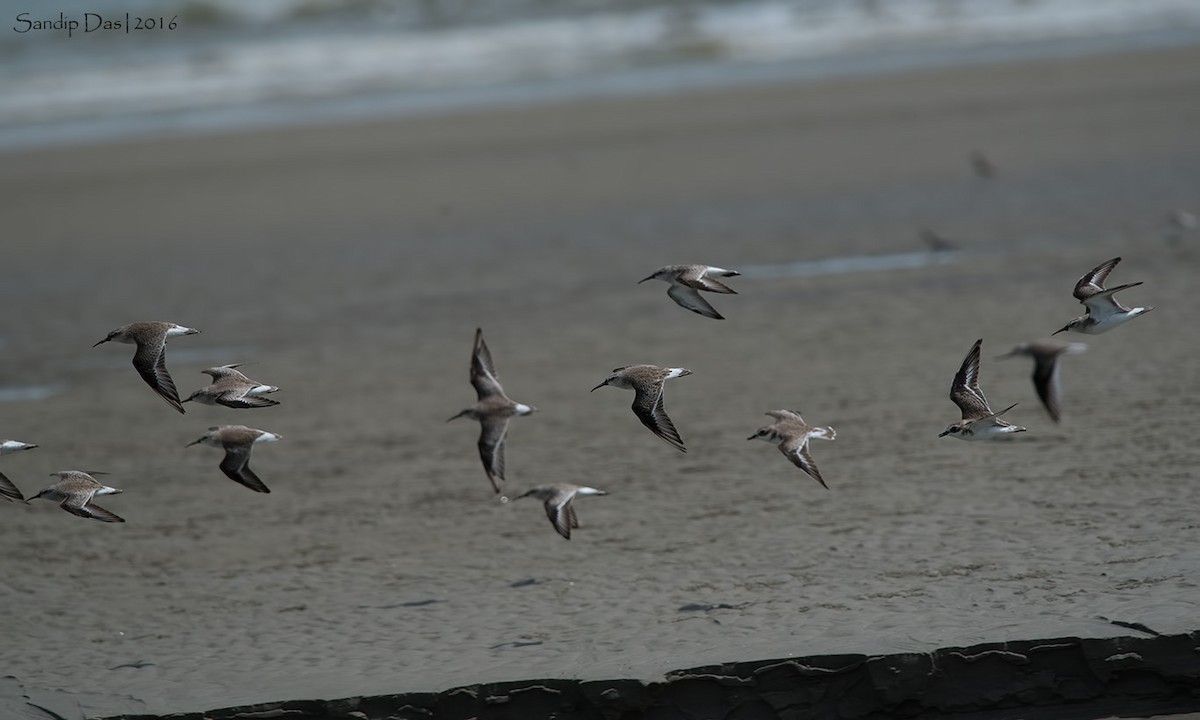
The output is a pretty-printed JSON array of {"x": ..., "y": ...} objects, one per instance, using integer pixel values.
[
  {"x": 75, "y": 489},
  {"x": 789, "y": 431}
]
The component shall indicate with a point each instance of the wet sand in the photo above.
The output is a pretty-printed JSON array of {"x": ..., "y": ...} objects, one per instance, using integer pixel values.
[{"x": 352, "y": 265}]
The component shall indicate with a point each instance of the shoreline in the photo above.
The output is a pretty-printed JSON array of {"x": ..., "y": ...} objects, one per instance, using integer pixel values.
[{"x": 672, "y": 80}]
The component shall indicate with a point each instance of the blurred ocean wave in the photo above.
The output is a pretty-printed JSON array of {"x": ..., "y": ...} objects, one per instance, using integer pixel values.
[{"x": 229, "y": 64}]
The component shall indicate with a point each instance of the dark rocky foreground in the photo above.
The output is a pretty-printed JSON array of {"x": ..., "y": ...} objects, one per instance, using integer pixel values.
[{"x": 1058, "y": 678}]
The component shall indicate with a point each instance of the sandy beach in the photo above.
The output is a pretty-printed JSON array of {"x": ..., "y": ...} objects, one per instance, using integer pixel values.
[{"x": 352, "y": 264}]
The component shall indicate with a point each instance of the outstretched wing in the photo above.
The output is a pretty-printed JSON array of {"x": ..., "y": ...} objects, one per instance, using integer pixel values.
[
  {"x": 483, "y": 370},
  {"x": 1103, "y": 303},
  {"x": 236, "y": 466},
  {"x": 687, "y": 297},
  {"x": 8, "y": 490},
  {"x": 1045, "y": 381},
  {"x": 965, "y": 392},
  {"x": 796, "y": 450},
  {"x": 95, "y": 512},
  {"x": 1093, "y": 282},
  {"x": 492, "y": 431},
  {"x": 561, "y": 514},
  {"x": 150, "y": 361},
  {"x": 648, "y": 406}
]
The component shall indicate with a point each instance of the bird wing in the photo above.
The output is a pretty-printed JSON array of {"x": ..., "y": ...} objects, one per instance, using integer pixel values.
[
  {"x": 225, "y": 371},
  {"x": 648, "y": 406},
  {"x": 237, "y": 398},
  {"x": 492, "y": 431},
  {"x": 150, "y": 361},
  {"x": 483, "y": 370},
  {"x": 796, "y": 450},
  {"x": 700, "y": 280},
  {"x": 8, "y": 490},
  {"x": 965, "y": 392},
  {"x": 236, "y": 466},
  {"x": 687, "y": 297},
  {"x": 558, "y": 509},
  {"x": 93, "y": 511},
  {"x": 1093, "y": 282},
  {"x": 1045, "y": 381},
  {"x": 785, "y": 415},
  {"x": 1103, "y": 303}
]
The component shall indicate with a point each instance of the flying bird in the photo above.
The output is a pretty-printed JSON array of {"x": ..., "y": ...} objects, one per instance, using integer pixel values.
[
  {"x": 492, "y": 409},
  {"x": 1045, "y": 354},
  {"x": 74, "y": 492},
  {"x": 237, "y": 441},
  {"x": 978, "y": 420},
  {"x": 1104, "y": 312},
  {"x": 792, "y": 434},
  {"x": 647, "y": 382},
  {"x": 688, "y": 280},
  {"x": 233, "y": 389},
  {"x": 9, "y": 491},
  {"x": 557, "y": 499},
  {"x": 150, "y": 358}
]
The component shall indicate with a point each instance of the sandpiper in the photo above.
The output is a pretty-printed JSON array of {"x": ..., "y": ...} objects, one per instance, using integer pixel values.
[
  {"x": 237, "y": 441},
  {"x": 1045, "y": 354},
  {"x": 233, "y": 389},
  {"x": 1104, "y": 312},
  {"x": 7, "y": 489},
  {"x": 492, "y": 410},
  {"x": 978, "y": 420},
  {"x": 647, "y": 382},
  {"x": 688, "y": 280},
  {"x": 557, "y": 499},
  {"x": 8, "y": 447},
  {"x": 74, "y": 492},
  {"x": 792, "y": 434},
  {"x": 150, "y": 359}
]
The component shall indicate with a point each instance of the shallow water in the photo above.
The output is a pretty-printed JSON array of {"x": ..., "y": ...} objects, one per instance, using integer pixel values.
[{"x": 229, "y": 66}]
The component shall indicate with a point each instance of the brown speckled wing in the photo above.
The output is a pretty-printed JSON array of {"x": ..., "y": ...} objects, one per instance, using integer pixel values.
[
  {"x": 150, "y": 361},
  {"x": 649, "y": 408}
]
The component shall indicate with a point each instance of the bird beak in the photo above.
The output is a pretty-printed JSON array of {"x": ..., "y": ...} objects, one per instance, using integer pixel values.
[
  {"x": 1058, "y": 331},
  {"x": 751, "y": 437},
  {"x": 101, "y": 342},
  {"x": 598, "y": 386},
  {"x": 944, "y": 433},
  {"x": 464, "y": 412},
  {"x": 639, "y": 282},
  {"x": 194, "y": 442}
]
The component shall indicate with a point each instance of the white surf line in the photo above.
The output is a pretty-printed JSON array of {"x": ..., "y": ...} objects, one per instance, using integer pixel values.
[
  {"x": 860, "y": 263},
  {"x": 30, "y": 392}
]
